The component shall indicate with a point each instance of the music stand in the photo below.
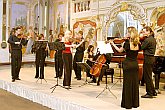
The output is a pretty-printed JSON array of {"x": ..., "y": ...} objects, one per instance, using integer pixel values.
[
  {"x": 105, "y": 49},
  {"x": 57, "y": 46},
  {"x": 40, "y": 46},
  {"x": 86, "y": 68},
  {"x": 120, "y": 66}
]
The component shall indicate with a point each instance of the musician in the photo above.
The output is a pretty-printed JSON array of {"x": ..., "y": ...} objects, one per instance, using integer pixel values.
[
  {"x": 159, "y": 56},
  {"x": 148, "y": 47},
  {"x": 58, "y": 56},
  {"x": 78, "y": 57},
  {"x": 16, "y": 41},
  {"x": 91, "y": 58},
  {"x": 90, "y": 61},
  {"x": 40, "y": 51},
  {"x": 67, "y": 59},
  {"x": 130, "y": 92}
]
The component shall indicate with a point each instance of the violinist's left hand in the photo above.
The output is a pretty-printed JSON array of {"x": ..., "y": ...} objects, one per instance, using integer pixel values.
[{"x": 111, "y": 42}]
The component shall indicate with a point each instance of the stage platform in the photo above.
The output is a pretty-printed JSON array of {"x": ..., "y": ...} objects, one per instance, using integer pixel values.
[{"x": 77, "y": 98}]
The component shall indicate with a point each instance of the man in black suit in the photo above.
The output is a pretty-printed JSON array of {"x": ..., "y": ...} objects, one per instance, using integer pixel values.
[
  {"x": 149, "y": 47},
  {"x": 16, "y": 41},
  {"x": 58, "y": 56}
]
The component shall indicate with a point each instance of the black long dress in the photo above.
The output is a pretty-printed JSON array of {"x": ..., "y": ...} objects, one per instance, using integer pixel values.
[{"x": 130, "y": 93}]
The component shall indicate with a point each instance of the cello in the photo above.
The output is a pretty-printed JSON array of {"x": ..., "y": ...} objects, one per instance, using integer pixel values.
[{"x": 96, "y": 68}]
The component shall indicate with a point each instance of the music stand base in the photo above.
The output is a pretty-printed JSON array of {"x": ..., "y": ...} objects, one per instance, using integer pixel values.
[
  {"x": 41, "y": 80},
  {"x": 105, "y": 88},
  {"x": 54, "y": 87},
  {"x": 85, "y": 83},
  {"x": 117, "y": 82}
]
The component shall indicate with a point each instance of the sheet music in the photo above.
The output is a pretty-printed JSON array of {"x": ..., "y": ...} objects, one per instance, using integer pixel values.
[{"x": 104, "y": 48}]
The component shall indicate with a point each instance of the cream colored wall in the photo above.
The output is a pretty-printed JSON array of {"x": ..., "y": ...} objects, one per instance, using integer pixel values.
[{"x": 106, "y": 5}]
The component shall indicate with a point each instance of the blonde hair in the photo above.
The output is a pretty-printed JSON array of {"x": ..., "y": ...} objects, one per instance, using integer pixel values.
[{"x": 134, "y": 37}]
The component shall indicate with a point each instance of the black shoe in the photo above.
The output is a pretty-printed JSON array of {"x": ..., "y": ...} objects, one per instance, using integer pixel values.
[
  {"x": 158, "y": 91},
  {"x": 75, "y": 77},
  {"x": 60, "y": 77},
  {"x": 98, "y": 84},
  {"x": 92, "y": 81},
  {"x": 155, "y": 94},
  {"x": 13, "y": 80},
  {"x": 56, "y": 77},
  {"x": 17, "y": 79},
  {"x": 78, "y": 78},
  {"x": 142, "y": 84},
  {"x": 146, "y": 96},
  {"x": 36, "y": 76}
]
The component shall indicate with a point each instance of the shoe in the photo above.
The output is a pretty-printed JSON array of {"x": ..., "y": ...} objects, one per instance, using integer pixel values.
[
  {"x": 155, "y": 94},
  {"x": 92, "y": 81},
  {"x": 36, "y": 76},
  {"x": 142, "y": 84},
  {"x": 146, "y": 96},
  {"x": 17, "y": 79},
  {"x": 60, "y": 77},
  {"x": 78, "y": 78},
  {"x": 56, "y": 77},
  {"x": 67, "y": 87},
  {"x": 98, "y": 84},
  {"x": 157, "y": 91},
  {"x": 13, "y": 80},
  {"x": 75, "y": 77}
]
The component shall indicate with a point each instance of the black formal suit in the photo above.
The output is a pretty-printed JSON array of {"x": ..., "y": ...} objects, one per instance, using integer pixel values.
[
  {"x": 40, "y": 50},
  {"x": 16, "y": 55},
  {"x": 59, "y": 47},
  {"x": 149, "y": 47},
  {"x": 78, "y": 57}
]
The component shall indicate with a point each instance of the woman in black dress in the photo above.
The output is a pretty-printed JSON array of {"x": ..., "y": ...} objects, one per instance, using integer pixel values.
[{"x": 130, "y": 93}]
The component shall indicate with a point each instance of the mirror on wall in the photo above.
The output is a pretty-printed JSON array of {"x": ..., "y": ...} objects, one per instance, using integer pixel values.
[{"x": 119, "y": 26}]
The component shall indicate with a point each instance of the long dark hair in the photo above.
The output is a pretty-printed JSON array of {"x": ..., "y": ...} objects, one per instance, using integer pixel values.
[{"x": 89, "y": 48}]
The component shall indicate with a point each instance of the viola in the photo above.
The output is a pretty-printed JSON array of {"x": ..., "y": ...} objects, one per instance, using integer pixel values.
[{"x": 96, "y": 68}]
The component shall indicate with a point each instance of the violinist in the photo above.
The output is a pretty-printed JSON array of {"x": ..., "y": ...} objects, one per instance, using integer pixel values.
[
  {"x": 148, "y": 47},
  {"x": 78, "y": 57},
  {"x": 67, "y": 59},
  {"x": 16, "y": 41},
  {"x": 130, "y": 92},
  {"x": 41, "y": 52},
  {"x": 58, "y": 56}
]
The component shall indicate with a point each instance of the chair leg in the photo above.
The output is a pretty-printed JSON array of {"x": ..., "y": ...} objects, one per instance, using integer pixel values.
[{"x": 112, "y": 78}]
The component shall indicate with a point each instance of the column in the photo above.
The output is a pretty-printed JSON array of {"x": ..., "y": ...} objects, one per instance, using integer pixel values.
[
  {"x": 8, "y": 12},
  {"x": 46, "y": 20},
  {"x": 68, "y": 15},
  {"x": 1, "y": 19},
  {"x": 28, "y": 15}
]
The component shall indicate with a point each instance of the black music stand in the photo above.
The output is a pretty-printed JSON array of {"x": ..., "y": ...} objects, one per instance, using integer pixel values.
[
  {"x": 40, "y": 46},
  {"x": 57, "y": 46},
  {"x": 105, "y": 49},
  {"x": 120, "y": 66},
  {"x": 85, "y": 67}
]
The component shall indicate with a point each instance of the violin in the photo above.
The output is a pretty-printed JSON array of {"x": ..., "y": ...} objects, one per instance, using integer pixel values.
[
  {"x": 96, "y": 68},
  {"x": 142, "y": 38},
  {"x": 74, "y": 40}
]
